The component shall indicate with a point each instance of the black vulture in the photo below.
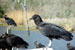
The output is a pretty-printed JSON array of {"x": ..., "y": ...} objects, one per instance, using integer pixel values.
[
  {"x": 7, "y": 41},
  {"x": 70, "y": 47},
  {"x": 15, "y": 41},
  {"x": 4, "y": 44},
  {"x": 9, "y": 21},
  {"x": 38, "y": 45},
  {"x": 50, "y": 30}
]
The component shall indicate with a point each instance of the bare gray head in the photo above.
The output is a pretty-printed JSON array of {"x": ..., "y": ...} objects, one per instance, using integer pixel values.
[
  {"x": 5, "y": 15},
  {"x": 37, "y": 19}
]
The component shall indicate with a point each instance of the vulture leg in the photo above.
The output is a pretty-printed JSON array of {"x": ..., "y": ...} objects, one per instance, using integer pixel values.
[
  {"x": 8, "y": 28},
  {"x": 49, "y": 45}
]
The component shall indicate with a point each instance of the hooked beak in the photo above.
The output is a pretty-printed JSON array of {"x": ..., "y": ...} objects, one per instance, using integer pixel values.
[{"x": 30, "y": 18}]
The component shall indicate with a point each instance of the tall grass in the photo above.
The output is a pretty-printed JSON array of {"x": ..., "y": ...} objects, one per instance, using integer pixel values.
[{"x": 18, "y": 16}]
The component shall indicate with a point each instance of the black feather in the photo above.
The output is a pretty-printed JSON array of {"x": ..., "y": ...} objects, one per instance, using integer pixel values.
[
  {"x": 15, "y": 41},
  {"x": 4, "y": 44},
  {"x": 9, "y": 21},
  {"x": 70, "y": 47},
  {"x": 51, "y": 30},
  {"x": 38, "y": 45}
]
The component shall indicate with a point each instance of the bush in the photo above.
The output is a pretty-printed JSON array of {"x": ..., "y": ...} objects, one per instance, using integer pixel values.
[{"x": 1, "y": 13}]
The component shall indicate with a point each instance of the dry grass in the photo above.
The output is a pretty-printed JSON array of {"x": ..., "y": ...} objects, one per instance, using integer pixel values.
[
  {"x": 18, "y": 16},
  {"x": 2, "y": 21}
]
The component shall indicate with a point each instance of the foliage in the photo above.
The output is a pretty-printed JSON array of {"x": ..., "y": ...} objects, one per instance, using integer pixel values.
[
  {"x": 46, "y": 8},
  {"x": 67, "y": 12},
  {"x": 1, "y": 12}
]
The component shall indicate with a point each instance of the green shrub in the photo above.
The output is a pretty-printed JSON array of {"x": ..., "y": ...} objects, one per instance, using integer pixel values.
[{"x": 1, "y": 12}]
